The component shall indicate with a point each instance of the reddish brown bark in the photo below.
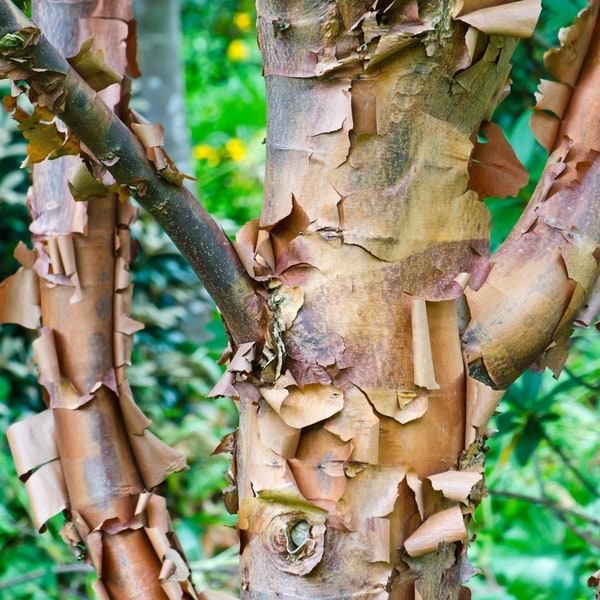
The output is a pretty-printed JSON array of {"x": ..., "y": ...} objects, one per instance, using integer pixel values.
[
  {"x": 364, "y": 398},
  {"x": 107, "y": 462}
]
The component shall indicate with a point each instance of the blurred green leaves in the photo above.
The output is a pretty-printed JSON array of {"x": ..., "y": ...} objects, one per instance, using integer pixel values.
[
  {"x": 226, "y": 107},
  {"x": 538, "y": 535}
]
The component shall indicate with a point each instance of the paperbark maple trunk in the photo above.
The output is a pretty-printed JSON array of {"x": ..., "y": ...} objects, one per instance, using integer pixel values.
[
  {"x": 101, "y": 461},
  {"x": 360, "y": 460},
  {"x": 365, "y": 393}
]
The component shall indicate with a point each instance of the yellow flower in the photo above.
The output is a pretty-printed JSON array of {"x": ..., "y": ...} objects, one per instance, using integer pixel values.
[
  {"x": 236, "y": 149},
  {"x": 207, "y": 153},
  {"x": 242, "y": 20},
  {"x": 237, "y": 51}
]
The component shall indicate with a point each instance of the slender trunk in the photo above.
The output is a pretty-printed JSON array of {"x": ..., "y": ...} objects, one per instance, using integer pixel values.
[
  {"x": 105, "y": 462},
  {"x": 369, "y": 214}
]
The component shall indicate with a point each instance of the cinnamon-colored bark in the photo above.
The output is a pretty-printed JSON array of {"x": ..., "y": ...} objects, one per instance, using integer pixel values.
[
  {"x": 364, "y": 398},
  {"x": 107, "y": 461}
]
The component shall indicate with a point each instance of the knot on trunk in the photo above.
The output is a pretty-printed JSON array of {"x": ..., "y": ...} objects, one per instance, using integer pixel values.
[{"x": 295, "y": 542}]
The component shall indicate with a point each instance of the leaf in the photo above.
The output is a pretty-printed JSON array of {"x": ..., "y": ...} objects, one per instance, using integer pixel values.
[
  {"x": 528, "y": 441},
  {"x": 84, "y": 186}
]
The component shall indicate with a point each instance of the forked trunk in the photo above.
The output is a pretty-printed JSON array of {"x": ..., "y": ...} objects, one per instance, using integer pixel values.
[{"x": 365, "y": 388}]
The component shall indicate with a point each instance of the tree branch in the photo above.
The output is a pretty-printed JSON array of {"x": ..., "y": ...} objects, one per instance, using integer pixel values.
[
  {"x": 544, "y": 273},
  {"x": 199, "y": 238},
  {"x": 38, "y": 573},
  {"x": 556, "y": 508},
  {"x": 567, "y": 462}
]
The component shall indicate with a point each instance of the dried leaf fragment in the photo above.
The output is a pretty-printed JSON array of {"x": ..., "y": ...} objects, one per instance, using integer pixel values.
[
  {"x": 15, "y": 44},
  {"x": 47, "y": 137},
  {"x": 84, "y": 186},
  {"x": 91, "y": 66}
]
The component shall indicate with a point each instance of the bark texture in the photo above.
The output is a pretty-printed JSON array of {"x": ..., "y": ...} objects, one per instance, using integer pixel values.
[
  {"x": 544, "y": 278},
  {"x": 360, "y": 453},
  {"x": 98, "y": 463},
  {"x": 139, "y": 165},
  {"x": 365, "y": 389}
]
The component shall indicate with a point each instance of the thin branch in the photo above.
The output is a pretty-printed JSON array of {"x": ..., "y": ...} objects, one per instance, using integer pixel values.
[
  {"x": 584, "y": 535},
  {"x": 567, "y": 462},
  {"x": 199, "y": 238},
  {"x": 545, "y": 502},
  {"x": 39, "y": 573}
]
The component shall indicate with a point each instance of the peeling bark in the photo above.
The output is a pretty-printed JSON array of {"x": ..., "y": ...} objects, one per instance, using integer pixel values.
[
  {"x": 63, "y": 91},
  {"x": 97, "y": 462},
  {"x": 369, "y": 210},
  {"x": 544, "y": 276},
  {"x": 364, "y": 397}
]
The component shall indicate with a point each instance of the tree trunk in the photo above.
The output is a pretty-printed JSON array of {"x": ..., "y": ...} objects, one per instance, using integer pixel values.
[
  {"x": 161, "y": 89},
  {"x": 101, "y": 460},
  {"x": 360, "y": 460}
]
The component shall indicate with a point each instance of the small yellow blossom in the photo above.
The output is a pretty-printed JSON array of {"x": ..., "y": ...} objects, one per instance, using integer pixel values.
[
  {"x": 236, "y": 149},
  {"x": 242, "y": 20},
  {"x": 238, "y": 51},
  {"x": 207, "y": 153}
]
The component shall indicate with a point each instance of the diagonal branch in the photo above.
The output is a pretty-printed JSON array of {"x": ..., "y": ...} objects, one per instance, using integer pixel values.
[
  {"x": 546, "y": 271},
  {"x": 553, "y": 506},
  {"x": 199, "y": 238}
]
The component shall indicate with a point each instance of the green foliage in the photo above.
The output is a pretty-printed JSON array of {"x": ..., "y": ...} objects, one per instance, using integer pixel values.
[
  {"x": 537, "y": 533},
  {"x": 227, "y": 122}
]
